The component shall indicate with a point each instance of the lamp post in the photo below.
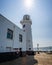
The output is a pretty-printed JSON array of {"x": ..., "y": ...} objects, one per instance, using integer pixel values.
[{"x": 38, "y": 48}]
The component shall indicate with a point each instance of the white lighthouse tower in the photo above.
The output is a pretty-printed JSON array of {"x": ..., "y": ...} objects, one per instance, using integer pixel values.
[{"x": 26, "y": 23}]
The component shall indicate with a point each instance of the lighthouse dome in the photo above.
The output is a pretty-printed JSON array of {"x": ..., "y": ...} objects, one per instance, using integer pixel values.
[{"x": 26, "y": 17}]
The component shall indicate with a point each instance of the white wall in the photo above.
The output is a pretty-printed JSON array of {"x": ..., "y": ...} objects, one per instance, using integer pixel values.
[
  {"x": 17, "y": 43},
  {"x": 4, "y": 41},
  {"x": 28, "y": 31}
]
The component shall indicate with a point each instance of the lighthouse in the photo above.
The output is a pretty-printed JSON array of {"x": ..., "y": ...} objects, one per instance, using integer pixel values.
[{"x": 26, "y": 26}]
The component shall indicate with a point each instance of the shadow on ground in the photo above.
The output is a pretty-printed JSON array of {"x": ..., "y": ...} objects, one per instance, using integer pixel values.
[{"x": 28, "y": 60}]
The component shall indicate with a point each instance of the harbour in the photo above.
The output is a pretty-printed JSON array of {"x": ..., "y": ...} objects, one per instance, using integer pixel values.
[{"x": 26, "y": 32}]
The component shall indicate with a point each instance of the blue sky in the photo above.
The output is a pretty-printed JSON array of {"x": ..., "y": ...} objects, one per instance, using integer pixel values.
[{"x": 41, "y": 15}]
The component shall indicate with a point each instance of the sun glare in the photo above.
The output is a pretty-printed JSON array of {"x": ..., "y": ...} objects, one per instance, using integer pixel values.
[{"x": 28, "y": 3}]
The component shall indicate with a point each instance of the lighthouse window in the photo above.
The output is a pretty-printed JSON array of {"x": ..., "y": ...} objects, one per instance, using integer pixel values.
[
  {"x": 27, "y": 18},
  {"x": 9, "y": 34},
  {"x": 23, "y": 26},
  {"x": 20, "y": 37},
  {"x": 29, "y": 48}
]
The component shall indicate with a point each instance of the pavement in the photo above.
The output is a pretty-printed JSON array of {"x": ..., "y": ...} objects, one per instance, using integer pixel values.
[{"x": 38, "y": 59}]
